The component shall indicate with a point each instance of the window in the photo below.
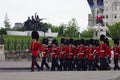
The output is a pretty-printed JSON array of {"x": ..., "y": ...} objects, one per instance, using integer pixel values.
[
  {"x": 115, "y": 16},
  {"x": 106, "y": 23},
  {"x": 106, "y": 16},
  {"x": 106, "y": 8},
  {"x": 114, "y": 6}
]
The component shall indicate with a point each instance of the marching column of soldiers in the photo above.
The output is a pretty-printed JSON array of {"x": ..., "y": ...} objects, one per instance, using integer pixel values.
[{"x": 79, "y": 55}]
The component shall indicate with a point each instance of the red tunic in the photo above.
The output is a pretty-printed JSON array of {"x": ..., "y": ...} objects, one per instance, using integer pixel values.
[
  {"x": 70, "y": 52},
  {"x": 61, "y": 52},
  {"x": 35, "y": 47},
  {"x": 44, "y": 52},
  {"x": 81, "y": 54},
  {"x": 116, "y": 51},
  {"x": 108, "y": 52},
  {"x": 90, "y": 53},
  {"x": 66, "y": 51},
  {"x": 54, "y": 52},
  {"x": 102, "y": 49},
  {"x": 75, "y": 50}
]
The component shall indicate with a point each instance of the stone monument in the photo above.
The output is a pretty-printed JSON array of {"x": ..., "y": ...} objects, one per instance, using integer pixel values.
[{"x": 2, "y": 55}]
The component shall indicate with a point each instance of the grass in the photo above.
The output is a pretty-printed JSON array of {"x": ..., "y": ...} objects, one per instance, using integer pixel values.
[{"x": 12, "y": 38}]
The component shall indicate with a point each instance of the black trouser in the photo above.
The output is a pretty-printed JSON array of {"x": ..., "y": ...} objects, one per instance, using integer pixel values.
[
  {"x": 55, "y": 64},
  {"x": 116, "y": 66},
  {"x": 81, "y": 64},
  {"x": 96, "y": 61},
  {"x": 103, "y": 64},
  {"x": 61, "y": 63},
  {"x": 69, "y": 64},
  {"x": 44, "y": 63},
  {"x": 74, "y": 64},
  {"x": 91, "y": 65},
  {"x": 65, "y": 64},
  {"x": 34, "y": 62}
]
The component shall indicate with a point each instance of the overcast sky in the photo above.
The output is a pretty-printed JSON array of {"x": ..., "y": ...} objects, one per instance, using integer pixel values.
[{"x": 56, "y": 11}]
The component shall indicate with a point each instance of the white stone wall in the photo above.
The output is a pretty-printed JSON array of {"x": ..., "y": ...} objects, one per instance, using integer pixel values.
[
  {"x": 28, "y": 33},
  {"x": 23, "y": 33}
]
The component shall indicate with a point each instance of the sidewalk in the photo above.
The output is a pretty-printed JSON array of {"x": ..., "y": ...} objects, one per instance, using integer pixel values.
[
  {"x": 51, "y": 75},
  {"x": 20, "y": 64},
  {"x": 62, "y": 75},
  {"x": 15, "y": 65}
]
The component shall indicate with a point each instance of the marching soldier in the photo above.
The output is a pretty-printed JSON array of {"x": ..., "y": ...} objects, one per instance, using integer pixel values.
[
  {"x": 102, "y": 49},
  {"x": 90, "y": 55},
  {"x": 70, "y": 55},
  {"x": 34, "y": 48},
  {"x": 81, "y": 56},
  {"x": 75, "y": 51},
  {"x": 65, "y": 62},
  {"x": 61, "y": 54},
  {"x": 108, "y": 53},
  {"x": 44, "y": 54},
  {"x": 54, "y": 55},
  {"x": 96, "y": 44},
  {"x": 116, "y": 50}
]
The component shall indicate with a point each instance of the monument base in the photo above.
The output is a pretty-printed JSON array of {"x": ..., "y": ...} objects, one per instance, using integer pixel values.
[{"x": 2, "y": 55}]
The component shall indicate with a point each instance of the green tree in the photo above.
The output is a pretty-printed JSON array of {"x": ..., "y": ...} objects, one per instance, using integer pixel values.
[
  {"x": 72, "y": 28},
  {"x": 87, "y": 34},
  {"x": 62, "y": 28},
  {"x": 55, "y": 29},
  {"x": 114, "y": 30},
  {"x": 6, "y": 22}
]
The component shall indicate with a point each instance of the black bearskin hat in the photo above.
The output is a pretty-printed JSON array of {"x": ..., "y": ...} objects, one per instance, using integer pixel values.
[
  {"x": 86, "y": 42},
  {"x": 71, "y": 41},
  {"x": 76, "y": 42},
  {"x": 54, "y": 41},
  {"x": 66, "y": 42},
  {"x": 106, "y": 41},
  {"x": 116, "y": 41},
  {"x": 45, "y": 41},
  {"x": 91, "y": 41},
  {"x": 82, "y": 41},
  {"x": 62, "y": 41},
  {"x": 96, "y": 42},
  {"x": 35, "y": 35},
  {"x": 102, "y": 37}
]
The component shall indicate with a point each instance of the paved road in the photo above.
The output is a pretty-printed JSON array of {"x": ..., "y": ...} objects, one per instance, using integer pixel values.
[
  {"x": 21, "y": 71},
  {"x": 63, "y": 75}
]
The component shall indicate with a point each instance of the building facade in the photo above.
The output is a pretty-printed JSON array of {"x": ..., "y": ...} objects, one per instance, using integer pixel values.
[{"x": 111, "y": 14}]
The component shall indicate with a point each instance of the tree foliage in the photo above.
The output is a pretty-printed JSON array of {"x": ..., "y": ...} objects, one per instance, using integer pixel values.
[
  {"x": 62, "y": 29},
  {"x": 87, "y": 34},
  {"x": 72, "y": 28},
  {"x": 6, "y": 22},
  {"x": 114, "y": 30}
]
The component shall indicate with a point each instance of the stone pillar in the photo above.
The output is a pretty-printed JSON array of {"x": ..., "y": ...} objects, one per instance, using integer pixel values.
[
  {"x": 2, "y": 51},
  {"x": 94, "y": 16},
  {"x": 2, "y": 55}
]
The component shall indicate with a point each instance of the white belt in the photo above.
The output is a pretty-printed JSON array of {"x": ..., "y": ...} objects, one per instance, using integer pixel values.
[
  {"x": 116, "y": 53},
  {"x": 70, "y": 53},
  {"x": 102, "y": 50},
  {"x": 81, "y": 53}
]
